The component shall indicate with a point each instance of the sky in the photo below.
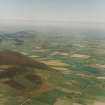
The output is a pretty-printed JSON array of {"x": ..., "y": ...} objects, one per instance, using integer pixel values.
[{"x": 52, "y": 11}]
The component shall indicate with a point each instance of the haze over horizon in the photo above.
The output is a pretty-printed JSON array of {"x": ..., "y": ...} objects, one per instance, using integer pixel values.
[{"x": 52, "y": 12}]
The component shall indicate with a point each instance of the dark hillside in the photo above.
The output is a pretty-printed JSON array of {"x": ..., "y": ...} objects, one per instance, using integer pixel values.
[{"x": 8, "y": 57}]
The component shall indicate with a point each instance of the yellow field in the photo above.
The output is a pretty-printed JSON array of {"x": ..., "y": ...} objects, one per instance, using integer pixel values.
[
  {"x": 80, "y": 56},
  {"x": 62, "y": 101},
  {"x": 34, "y": 56},
  {"x": 6, "y": 66},
  {"x": 98, "y": 66},
  {"x": 99, "y": 103},
  {"x": 55, "y": 63}
]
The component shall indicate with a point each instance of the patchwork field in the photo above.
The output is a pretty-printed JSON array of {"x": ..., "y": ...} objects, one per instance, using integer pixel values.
[{"x": 52, "y": 70}]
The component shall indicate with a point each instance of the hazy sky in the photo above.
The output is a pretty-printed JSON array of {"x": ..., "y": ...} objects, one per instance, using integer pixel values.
[{"x": 52, "y": 11}]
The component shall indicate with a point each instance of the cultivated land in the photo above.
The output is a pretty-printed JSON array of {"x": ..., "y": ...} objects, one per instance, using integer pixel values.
[{"x": 52, "y": 68}]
